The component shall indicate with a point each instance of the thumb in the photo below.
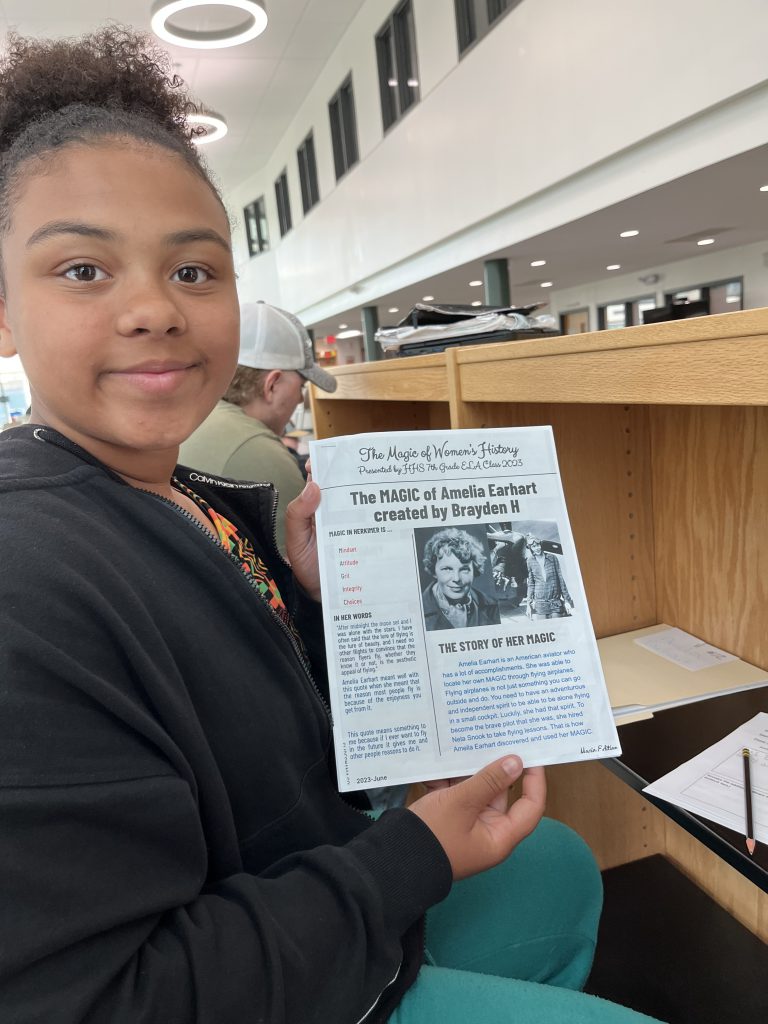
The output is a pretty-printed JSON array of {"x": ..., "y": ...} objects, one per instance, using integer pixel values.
[
  {"x": 481, "y": 789},
  {"x": 305, "y": 504}
]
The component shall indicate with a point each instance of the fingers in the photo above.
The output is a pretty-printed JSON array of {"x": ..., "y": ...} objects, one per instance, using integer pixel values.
[
  {"x": 481, "y": 789},
  {"x": 527, "y": 811},
  {"x": 305, "y": 504},
  {"x": 300, "y": 538}
]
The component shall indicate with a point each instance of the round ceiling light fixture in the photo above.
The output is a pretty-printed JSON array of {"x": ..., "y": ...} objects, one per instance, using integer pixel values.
[
  {"x": 214, "y": 124},
  {"x": 245, "y": 29}
]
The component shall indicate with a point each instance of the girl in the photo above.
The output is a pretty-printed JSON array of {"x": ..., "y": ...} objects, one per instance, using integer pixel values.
[{"x": 172, "y": 846}]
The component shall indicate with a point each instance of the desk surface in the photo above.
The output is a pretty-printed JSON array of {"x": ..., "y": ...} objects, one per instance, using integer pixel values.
[{"x": 653, "y": 747}]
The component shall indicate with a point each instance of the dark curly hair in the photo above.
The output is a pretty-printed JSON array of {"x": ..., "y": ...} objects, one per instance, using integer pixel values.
[
  {"x": 113, "y": 82},
  {"x": 453, "y": 542}
]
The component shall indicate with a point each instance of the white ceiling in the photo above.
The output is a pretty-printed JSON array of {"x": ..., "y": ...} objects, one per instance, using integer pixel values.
[{"x": 256, "y": 86}]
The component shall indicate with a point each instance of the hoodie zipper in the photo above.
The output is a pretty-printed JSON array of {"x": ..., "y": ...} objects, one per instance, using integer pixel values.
[
  {"x": 252, "y": 585},
  {"x": 63, "y": 442}
]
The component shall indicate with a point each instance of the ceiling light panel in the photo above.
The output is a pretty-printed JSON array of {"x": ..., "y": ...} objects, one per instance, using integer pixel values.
[
  {"x": 215, "y": 125},
  {"x": 249, "y": 20}
]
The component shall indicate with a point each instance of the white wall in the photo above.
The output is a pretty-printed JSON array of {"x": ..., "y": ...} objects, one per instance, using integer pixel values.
[
  {"x": 562, "y": 109},
  {"x": 748, "y": 261}
]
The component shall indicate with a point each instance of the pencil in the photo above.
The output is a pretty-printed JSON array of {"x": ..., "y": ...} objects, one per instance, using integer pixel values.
[{"x": 748, "y": 802}]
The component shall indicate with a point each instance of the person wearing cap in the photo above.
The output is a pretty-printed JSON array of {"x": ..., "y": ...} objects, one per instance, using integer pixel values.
[{"x": 241, "y": 438}]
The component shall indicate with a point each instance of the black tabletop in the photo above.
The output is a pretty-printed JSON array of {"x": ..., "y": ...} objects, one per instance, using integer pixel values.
[{"x": 655, "y": 746}]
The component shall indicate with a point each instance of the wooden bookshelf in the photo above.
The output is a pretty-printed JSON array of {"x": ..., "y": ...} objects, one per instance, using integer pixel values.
[{"x": 662, "y": 439}]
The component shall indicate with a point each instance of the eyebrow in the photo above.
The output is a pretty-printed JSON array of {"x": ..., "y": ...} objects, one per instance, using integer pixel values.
[
  {"x": 69, "y": 227},
  {"x": 197, "y": 235},
  {"x": 73, "y": 227}
]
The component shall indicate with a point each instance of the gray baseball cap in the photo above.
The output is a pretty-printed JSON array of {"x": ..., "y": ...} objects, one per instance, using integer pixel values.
[{"x": 271, "y": 339}]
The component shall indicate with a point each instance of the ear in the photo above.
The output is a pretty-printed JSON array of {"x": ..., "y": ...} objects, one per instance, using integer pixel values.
[
  {"x": 270, "y": 383},
  {"x": 7, "y": 346}
]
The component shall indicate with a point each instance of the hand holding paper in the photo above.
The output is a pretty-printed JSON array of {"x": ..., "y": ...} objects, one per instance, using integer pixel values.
[
  {"x": 301, "y": 538},
  {"x": 471, "y": 820}
]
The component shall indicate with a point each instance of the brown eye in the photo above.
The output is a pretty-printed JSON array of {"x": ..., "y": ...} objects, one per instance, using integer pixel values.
[
  {"x": 85, "y": 272},
  {"x": 191, "y": 275}
]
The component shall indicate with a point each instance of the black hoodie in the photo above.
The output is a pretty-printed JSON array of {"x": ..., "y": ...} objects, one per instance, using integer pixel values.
[{"x": 172, "y": 846}]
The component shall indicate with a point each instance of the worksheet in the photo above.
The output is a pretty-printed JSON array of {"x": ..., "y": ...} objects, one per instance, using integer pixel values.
[{"x": 712, "y": 783}]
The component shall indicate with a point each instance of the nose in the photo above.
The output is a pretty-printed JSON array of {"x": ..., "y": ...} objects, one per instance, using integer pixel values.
[{"x": 151, "y": 309}]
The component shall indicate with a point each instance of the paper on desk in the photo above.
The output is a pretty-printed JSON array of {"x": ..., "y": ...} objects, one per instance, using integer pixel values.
[
  {"x": 639, "y": 681},
  {"x": 712, "y": 783},
  {"x": 684, "y": 649}
]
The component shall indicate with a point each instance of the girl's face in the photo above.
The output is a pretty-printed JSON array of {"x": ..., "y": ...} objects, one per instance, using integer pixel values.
[{"x": 120, "y": 298}]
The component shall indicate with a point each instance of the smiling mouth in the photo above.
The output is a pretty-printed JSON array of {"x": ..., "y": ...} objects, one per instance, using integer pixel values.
[{"x": 155, "y": 377}]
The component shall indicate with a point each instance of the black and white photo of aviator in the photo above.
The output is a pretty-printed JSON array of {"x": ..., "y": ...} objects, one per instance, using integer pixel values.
[
  {"x": 456, "y": 582},
  {"x": 526, "y": 564}
]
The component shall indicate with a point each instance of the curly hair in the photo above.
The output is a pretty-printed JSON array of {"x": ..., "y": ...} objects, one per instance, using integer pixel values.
[
  {"x": 114, "y": 82},
  {"x": 453, "y": 542}
]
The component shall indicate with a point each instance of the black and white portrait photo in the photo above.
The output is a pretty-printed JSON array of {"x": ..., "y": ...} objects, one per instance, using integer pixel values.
[{"x": 456, "y": 579}]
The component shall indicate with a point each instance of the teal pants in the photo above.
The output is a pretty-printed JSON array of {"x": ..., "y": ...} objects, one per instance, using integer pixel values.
[{"x": 514, "y": 945}]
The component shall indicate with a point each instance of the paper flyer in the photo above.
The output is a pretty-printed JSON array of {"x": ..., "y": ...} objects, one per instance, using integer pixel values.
[{"x": 456, "y": 623}]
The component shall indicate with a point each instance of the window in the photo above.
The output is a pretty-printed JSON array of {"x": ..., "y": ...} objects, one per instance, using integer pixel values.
[
  {"x": 720, "y": 296},
  {"x": 310, "y": 194},
  {"x": 474, "y": 18},
  {"x": 639, "y": 306},
  {"x": 396, "y": 55},
  {"x": 283, "y": 203},
  {"x": 343, "y": 129},
  {"x": 256, "y": 226},
  {"x": 623, "y": 314}
]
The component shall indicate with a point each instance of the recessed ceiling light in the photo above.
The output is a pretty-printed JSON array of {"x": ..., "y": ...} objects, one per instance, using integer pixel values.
[
  {"x": 477, "y": 302},
  {"x": 349, "y": 334},
  {"x": 214, "y": 123},
  {"x": 546, "y": 284},
  {"x": 764, "y": 188},
  {"x": 705, "y": 241},
  {"x": 428, "y": 298},
  {"x": 613, "y": 266},
  {"x": 475, "y": 284},
  {"x": 393, "y": 309},
  {"x": 539, "y": 263},
  {"x": 343, "y": 327},
  {"x": 247, "y": 28},
  {"x": 629, "y": 234}
]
